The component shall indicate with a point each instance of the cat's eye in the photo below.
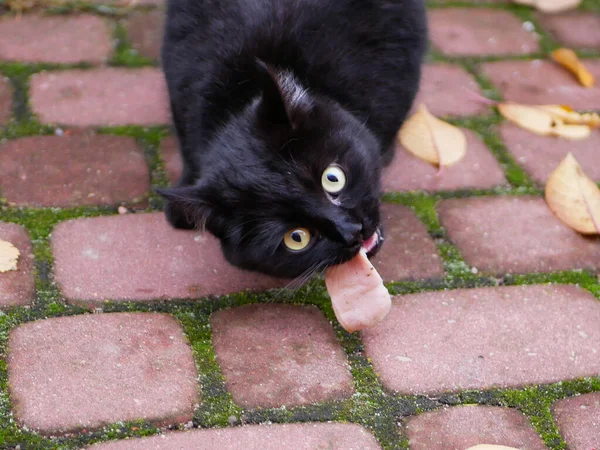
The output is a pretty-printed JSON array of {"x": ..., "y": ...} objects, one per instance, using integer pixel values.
[
  {"x": 333, "y": 179},
  {"x": 297, "y": 239}
]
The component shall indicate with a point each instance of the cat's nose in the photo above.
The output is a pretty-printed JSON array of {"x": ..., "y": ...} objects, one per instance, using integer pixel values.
[{"x": 352, "y": 234}]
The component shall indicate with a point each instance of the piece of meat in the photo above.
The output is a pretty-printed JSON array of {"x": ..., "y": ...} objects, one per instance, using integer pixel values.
[{"x": 358, "y": 296}]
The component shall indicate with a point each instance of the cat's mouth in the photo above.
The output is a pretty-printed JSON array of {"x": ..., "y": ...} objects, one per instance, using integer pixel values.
[{"x": 371, "y": 246}]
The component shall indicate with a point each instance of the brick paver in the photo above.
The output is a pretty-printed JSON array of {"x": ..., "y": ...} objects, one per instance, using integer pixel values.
[
  {"x": 145, "y": 32},
  {"x": 470, "y": 31},
  {"x": 306, "y": 436},
  {"x": 462, "y": 427},
  {"x": 6, "y": 94},
  {"x": 574, "y": 29},
  {"x": 443, "y": 90},
  {"x": 578, "y": 419},
  {"x": 515, "y": 235},
  {"x": 540, "y": 155},
  {"x": 82, "y": 168},
  {"x": 275, "y": 355},
  {"x": 86, "y": 371},
  {"x": 479, "y": 169},
  {"x": 521, "y": 81},
  {"x": 17, "y": 286},
  {"x": 408, "y": 253},
  {"x": 55, "y": 39},
  {"x": 108, "y": 96},
  {"x": 140, "y": 257},
  {"x": 482, "y": 338},
  {"x": 169, "y": 148}
]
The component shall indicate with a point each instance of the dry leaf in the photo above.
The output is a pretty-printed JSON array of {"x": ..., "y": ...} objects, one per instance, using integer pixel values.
[
  {"x": 569, "y": 60},
  {"x": 569, "y": 116},
  {"x": 491, "y": 447},
  {"x": 432, "y": 139},
  {"x": 542, "y": 121},
  {"x": 9, "y": 254},
  {"x": 573, "y": 197},
  {"x": 550, "y": 6}
]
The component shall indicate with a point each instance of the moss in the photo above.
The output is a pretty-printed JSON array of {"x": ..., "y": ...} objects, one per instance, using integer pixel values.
[{"x": 125, "y": 55}]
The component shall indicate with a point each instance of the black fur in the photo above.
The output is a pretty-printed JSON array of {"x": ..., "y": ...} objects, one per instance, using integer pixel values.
[{"x": 254, "y": 150}]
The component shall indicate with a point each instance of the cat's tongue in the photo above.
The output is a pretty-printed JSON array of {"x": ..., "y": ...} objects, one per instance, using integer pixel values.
[{"x": 358, "y": 296}]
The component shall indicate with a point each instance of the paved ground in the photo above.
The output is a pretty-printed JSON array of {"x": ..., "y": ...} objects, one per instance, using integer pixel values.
[{"x": 117, "y": 327}]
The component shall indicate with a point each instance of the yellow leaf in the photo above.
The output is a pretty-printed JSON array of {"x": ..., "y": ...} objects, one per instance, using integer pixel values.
[
  {"x": 491, "y": 447},
  {"x": 432, "y": 139},
  {"x": 550, "y": 6},
  {"x": 543, "y": 120},
  {"x": 569, "y": 60},
  {"x": 573, "y": 197},
  {"x": 569, "y": 116},
  {"x": 9, "y": 254}
]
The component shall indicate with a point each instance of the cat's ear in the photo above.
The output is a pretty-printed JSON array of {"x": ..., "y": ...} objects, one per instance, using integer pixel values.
[
  {"x": 284, "y": 101},
  {"x": 187, "y": 206}
]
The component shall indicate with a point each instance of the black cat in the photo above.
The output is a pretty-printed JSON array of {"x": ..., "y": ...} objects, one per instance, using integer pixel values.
[{"x": 286, "y": 111}]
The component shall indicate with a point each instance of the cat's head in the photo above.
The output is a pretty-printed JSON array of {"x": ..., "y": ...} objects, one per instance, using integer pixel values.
[{"x": 291, "y": 185}]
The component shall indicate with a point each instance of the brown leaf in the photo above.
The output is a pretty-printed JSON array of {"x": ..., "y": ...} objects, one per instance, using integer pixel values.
[
  {"x": 541, "y": 120},
  {"x": 432, "y": 139},
  {"x": 9, "y": 255},
  {"x": 569, "y": 60},
  {"x": 573, "y": 197}
]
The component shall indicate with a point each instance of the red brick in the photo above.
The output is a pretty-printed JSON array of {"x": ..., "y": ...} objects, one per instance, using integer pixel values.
[
  {"x": 479, "y": 169},
  {"x": 299, "y": 436},
  {"x": 574, "y": 29},
  {"x": 82, "y": 168},
  {"x": 55, "y": 39},
  {"x": 470, "y": 31},
  {"x": 444, "y": 89},
  {"x": 435, "y": 342},
  {"x": 140, "y": 257},
  {"x": 540, "y": 155},
  {"x": 515, "y": 235},
  {"x": 145, "y": 32},
  {"x": 578, "y": 419},
  {"x": 6, "y": 93},
  {"x": 108, "y": 96},
  {"x": 87, "y": 371},
  {"x": 276, "y": 355},
  {"x": 543, "y": 82},
  {"x": 17, "y": 287},
  {"x": 462, "y": 427},
  {"x": 408, "y": 252},
  {"x": 169, "y": 148}
]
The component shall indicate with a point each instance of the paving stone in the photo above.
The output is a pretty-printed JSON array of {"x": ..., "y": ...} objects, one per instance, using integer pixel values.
[
  {"x": 299, "y": 436},
  {"x": 515, "y": 235},
  {"x": 275, "y": 355},
  {"x": 519, "y": 81},
  {"x": 574, "y": 29},
  {"x": 55, "y": 39},
  {"x": 578, "y": 419},
  {"x": 83, "y": 372},
  {"x": 6, "y": 93},
  {"x": 444, "y": 89},
  {"x": 540, "y": 155},
  {"x": 479, "y": 169},
  {"x": 408, "y": 252},
  {"x": 485, "y": 338},
  {"x": 138, "y": 257},
  {"x": 107, "y": 96},
  {"x": 145, "y": 32},
  {"x": 462, "y": 427},
  {"x": 79, "y": 169},
  {"x": 169, "y": 148},
  {"x": 470, "y": 31},
  {"x": 17, "y": 287}
]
